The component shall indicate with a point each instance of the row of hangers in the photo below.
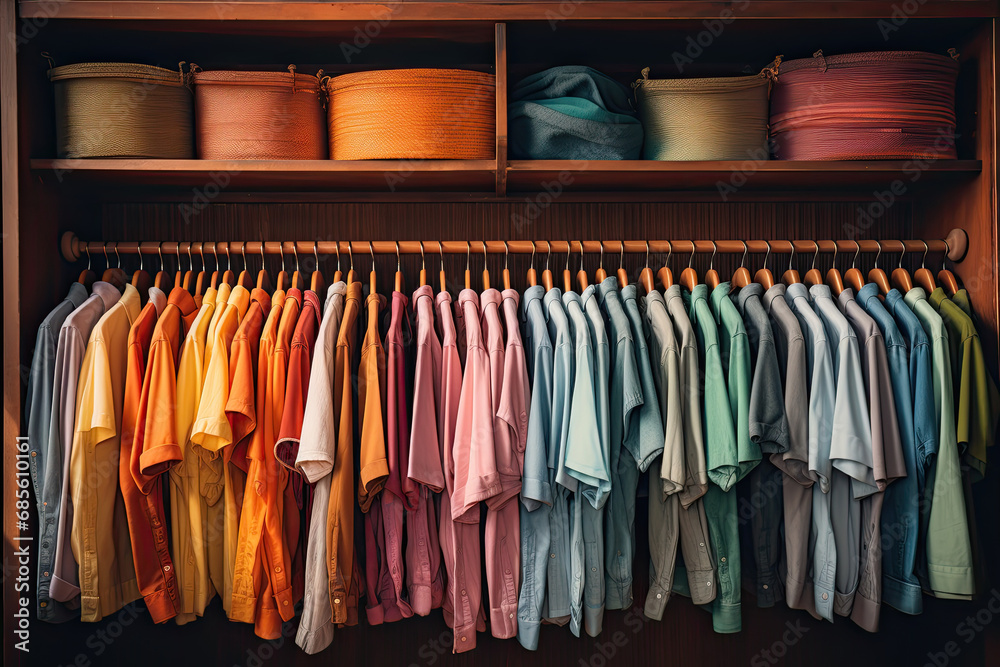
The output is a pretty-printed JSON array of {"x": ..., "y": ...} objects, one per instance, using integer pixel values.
[{"x": 196, "y": 283}]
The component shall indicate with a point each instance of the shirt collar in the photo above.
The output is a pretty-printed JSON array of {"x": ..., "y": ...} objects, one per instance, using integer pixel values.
[
  {"x": 77, "y": 294},
  {"x": 424, "y": 291},
  {"x": 822, "y": 292},
  {"x": 511, "y": 294},
  {"x": 753, "y": 289},
  {"x": 869, "y": 291},
  {"x": 572, "y": 296},
  {"x": 554, "y": 294},
  {"x": 158, "y": 299},
  {"x": 777, "y": 291},
  {"x": 444, "y": 297},
  {"x": 130, "y": 301},
  {"x": 355, "y": 291},
  {"x": 108, "y": 293},
  {"x": 339, "y": 287},
  {"x": 654, "y": 296},
  {"x": 181, "y": 298},
  {"x": 797, "y": 290},
  {"x": 490, "y": 296},
  {"x": 846, "y": 297},
  {"x": 468, "y": 295}
]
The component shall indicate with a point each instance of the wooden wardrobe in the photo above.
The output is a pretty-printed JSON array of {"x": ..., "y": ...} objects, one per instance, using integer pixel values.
[{"x": 491, "y": 200}]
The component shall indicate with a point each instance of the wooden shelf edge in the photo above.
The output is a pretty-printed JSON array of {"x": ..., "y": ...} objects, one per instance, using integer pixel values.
[
  {"x": 274, "y": 10},
  {"x": 261, "y": 166},
  {"x": 726, "y": 166}
]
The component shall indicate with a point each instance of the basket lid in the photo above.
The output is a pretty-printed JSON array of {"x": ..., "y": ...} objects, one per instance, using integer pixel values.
[
  {"x": 845, "y": 60},
  {"x": 121, "y": 71},
  {"x": 292, "y": 80}
]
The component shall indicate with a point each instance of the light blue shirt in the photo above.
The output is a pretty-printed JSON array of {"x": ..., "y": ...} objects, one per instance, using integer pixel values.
[{"x": 536, "y": 491}]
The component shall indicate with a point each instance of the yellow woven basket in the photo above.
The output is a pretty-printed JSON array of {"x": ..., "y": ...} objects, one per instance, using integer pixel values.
[
  {"x": 122, "y": 110},
  {"x": 412, "y": 114}
]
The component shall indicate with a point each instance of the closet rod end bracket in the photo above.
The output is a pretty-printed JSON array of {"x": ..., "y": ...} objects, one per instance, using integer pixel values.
[
  {"x": 69, "y": 246},
  {"x": 958, "y": 244}
]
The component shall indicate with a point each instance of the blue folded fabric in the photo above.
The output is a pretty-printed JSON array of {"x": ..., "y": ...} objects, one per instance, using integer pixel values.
[{"x": 572, "y": 113}]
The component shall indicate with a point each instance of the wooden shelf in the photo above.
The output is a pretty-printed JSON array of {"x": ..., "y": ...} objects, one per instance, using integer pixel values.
[
  {"x": 387, "y": 178},
  {"x": 726, "y": 176},
  {"x": 209, "y": 10}
]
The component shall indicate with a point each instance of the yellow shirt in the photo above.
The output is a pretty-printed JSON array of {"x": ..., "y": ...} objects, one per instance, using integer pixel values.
[
  {"x": 99, "y": 535},
  {"x": 221, "y": 299},
  {"x": 211, "y": 432},
  {"x": 190, "y": 557}
]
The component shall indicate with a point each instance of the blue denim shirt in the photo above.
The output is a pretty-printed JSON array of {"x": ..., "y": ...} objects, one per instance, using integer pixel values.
[
  {"x": 536, "y": 490},
  {"x": 626, "y": 399},
  {"x": 37, "y": 412},
  {"x": 900, "y": 512}
]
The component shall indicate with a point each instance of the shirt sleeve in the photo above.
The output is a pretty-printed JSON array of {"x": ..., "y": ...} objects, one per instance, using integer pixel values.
[
  {"x": 318, "y": 439},
  {"x": 851, "y": 440},
  {"x": 535, "y": 488},
  {"x": 160, "y": 447},
  {"x": 768, "y": 423},
  {"x": 424, "y": 465}
]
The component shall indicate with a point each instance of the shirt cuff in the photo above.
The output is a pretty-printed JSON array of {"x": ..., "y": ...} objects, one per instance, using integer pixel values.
[
  {"x": 535, "y": 493},
  {"x": 465, "y": 638},
  {"x": 527, "y": 633},
  {"x": 242, "y": 608},
  {"x": 155, "y": 461},
  {"x": 901, "y": 595},
  {"x": 161, "y": 607},
  {"x": 285, "y": 602},
  {"x": 726, "y": 617}
]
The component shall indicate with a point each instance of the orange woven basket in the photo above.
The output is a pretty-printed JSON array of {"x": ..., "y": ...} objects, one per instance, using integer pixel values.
[
  {"x": 422, "y": 114},
  {"x": 258, "y": 115}
]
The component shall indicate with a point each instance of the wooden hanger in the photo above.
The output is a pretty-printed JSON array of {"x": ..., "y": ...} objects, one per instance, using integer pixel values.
[
  {"x": 813, "y": 275},
  {"x": 486, "y": 269},
  {"x": 244, "y": 279},
  {"x": 114, "y": 274},
  {"x": 282, "y": 279},
  {"x": 923, "y": 276},
  {"x": 689, "y": 277},
  {"x": 442, "y": 279},
  {"x": 601, "y": 274},
  {"x": 567, "y": 274},
  {"x": 791, "y": 276},
  {"x": 546, "y": 274},
  {"x": 317, "y": 283},
  {"x": 900, "y": 277},
  {"x": 141, "y": 279},
  {"x": 199, "y": 283},
  {"x": 338, "y": 275},
  {"x": 398, "y": 284},
  {"x": 215, "y": 273},
  {"x": 352, "y": 277},
  {"x": 877, "y": 275},
  {"x": 833, "y": 278},
  {"x": 665, "y": 275},
  {"x": 298, "y": 281},
  {"x": 764, "y": 275},
  {"x": 468, "y": 273},
  {"x": 581, "y": 275},
  {"x": 423, "y": 266},
  {"x": 372, "y": 282},
  {"x": 506, "y": 266},
  {"x": 646, "y": 275},
  {"x": 741, "y": 277},
  {"x": 188, "y": 281},
  {"x": 853, "y": 278},
  {"x": 179, "y": 273},
  {"x": 712, "y": 276},
  {"x": 532, "y": 274},
  {"x": 946, "y": 277},
  {"x": 622, "y": 273},
  {"x": 87, "y": 276},
  {"x": 228, "y": 278},
  {"x": 161, "y": 280}
]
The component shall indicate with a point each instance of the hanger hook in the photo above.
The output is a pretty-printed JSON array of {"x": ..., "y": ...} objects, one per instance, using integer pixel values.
[
  {"x": 281, "y": 251},
  {"x": 485, "y": 258},
  {"x": 813, "y": 266},
  {"x": 107, "y": 260},
  {"x": 857, "y": 251},
  {"x": 647, "y": 254},
  {"x": 924, "y": 258},
  {"x": 532, "y": 264},
  {"x": 877, "y": 254},
  {"x": 743, "y": 259},
  {"x": 569, "y": 249},
  {"x": 711, "y": 262},
  {"x": 399, "y": 262},
  {"x": 262, "y": 262},
  {"x": 190, "y": 257},
  {"x": 229, "y": 258},
  {"x": 295, "y": 252},
  {"x": 316, "y": 255},
  {"x": 215, "y": 251},
  {"x": 944, "y": 258},
  {"x": 767, "y": 254},
  {"x": 350, "y": 254},
  {"x": 243, "y": 252},
  {"x": 506, "y": 256},
  {"x": 138, "y": 250},
  {"x": 691, "y": 258},
  {"x": 441, "y": 253},
  {"x": 468, "y": 255},
  {"x": 178, "y": 255},
  {"x": 86, "y": 249},
  {"x": 791, "y": 256},
  {"x": 423, "y": 260},
  {"x": 581, "y": 254},
  {"x": 118, "y": 257},
  {"x": 371, "y": 251},
  {"x": 621, "y": 254},
  {"x": 600, "y": 264},
  {"x": 670, "y": 251},
  {"x": 836, "y": 250},
  {"x": 900, "y": 263}
]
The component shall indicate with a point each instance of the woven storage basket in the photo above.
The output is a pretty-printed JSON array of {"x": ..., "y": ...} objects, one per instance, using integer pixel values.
[
  {"x": 412, "y": 114},
  {"x": 704, "y": 119},
  {"x": 109, "y": 110},
  {"x": 258, "y": 115},
  {"x": 888, "y": 105}
]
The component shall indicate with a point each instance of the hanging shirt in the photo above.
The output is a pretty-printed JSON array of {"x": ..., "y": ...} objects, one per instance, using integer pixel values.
[
  {"x": 949, "y": 548},
  {"x": 561, "y": 552},
  {"x": 149, "y": 444},
  {"x": 70, "y": 352},
  {"x": 399, "y": 490},
  {"x": 211, "y": 432},
  {"x": 586, "y": 463},
  {"x": 510, "y": 394},
  {"x": 768, "y": 430},
  {"x": 317, "y": 445},
  {"x": 696, "y": 577},
  {"x": 425, "y": 571},
  {"x": 38, "y": 403},
  {"x": 796, "y": 480},
  {"x": 850, "y": 447},
  {"x": 536, "y": 489},
  {"x": 99, "y": 534},
  {"x": 188, "y": 506},
  {"x": 887, "y": 457},
  {"x": 593, "y": 515},
  {"x": 822, "y": 400},
  {"x": 976, "y": 399},
  {"x": 901, "y": 510}
]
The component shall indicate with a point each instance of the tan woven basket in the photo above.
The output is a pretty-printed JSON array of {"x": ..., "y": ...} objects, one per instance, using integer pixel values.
[
  {"x": 258, "y": 115},
  {"x": 412, "y": 114},
  {"x": 704, "y": 119},
  {"x": 122, "y": 110}
]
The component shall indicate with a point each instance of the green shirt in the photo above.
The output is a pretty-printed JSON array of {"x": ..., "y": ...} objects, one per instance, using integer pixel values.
[
  {"x": 975, "y": 395},
  {"x": 949, "y": 549}
]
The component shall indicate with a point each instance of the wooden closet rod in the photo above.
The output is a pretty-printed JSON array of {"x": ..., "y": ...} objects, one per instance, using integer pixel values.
[{"x": 72, "y": 248}]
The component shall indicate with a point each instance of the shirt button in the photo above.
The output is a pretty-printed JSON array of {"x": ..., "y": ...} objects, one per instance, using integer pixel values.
[
  {"x": 825, "y": 596},
  {"x": 285, "y": 603},
  {"x": 506, "y": 571},
  {"x": 463, "y": 591},
  {"x": 765, "y": 587},
  {"x": 43, "y": 604},
  {"x": 45, "y": 574},
  {"x": 33, "y": 454},
  {"x": 723, "y": 559},
  {"x": 701, "y": 544},
  {"x": 593, "y": 569},
  {"x": 659, "y": 595},
  {"x": 166, "y": 568},
  {"x": 336, "y": 600},
  {"x": 510, "y": 615},
  {"x": 709, "y": 583},
  {"x": 45, "y": 504},
  {"x": 277, "y": 569},
  {"x": 550, "y": 555}
]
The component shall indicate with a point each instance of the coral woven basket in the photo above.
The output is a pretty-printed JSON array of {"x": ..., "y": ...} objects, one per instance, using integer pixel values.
[
  {"x": 412, "y": 114},
  {"x": 259, "y": 115},
  {"x": 122, "y": 110},
  {"x": 884, "y": 105}
]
